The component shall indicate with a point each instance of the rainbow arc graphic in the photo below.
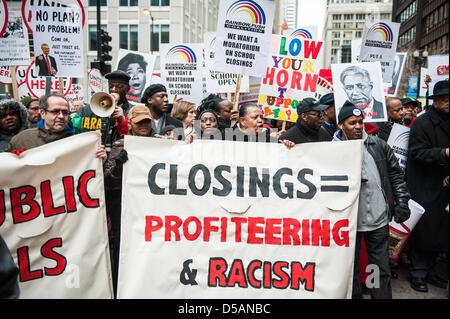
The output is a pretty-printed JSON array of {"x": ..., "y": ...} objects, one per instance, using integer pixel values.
[
  {"x": 402, "y": 138},
  {"x": 184, "y": 51},
  {"x": 301, "y": 33},
  {"x": 250, "y": 7},
  {"x": 383, "y": 29}
]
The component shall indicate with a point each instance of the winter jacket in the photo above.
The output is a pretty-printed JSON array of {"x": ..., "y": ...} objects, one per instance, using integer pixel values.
[
  {"x": 9, "y": 288},
  {"x": 5, "y": 137},
  {"x": 302, "y": 134}
]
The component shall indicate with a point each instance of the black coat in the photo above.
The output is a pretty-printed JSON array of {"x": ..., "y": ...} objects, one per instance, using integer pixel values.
[
  {"x": 302, "y": 134},
  {"x": 9, "y": 287},
  {"x": 426, "y": 168}
]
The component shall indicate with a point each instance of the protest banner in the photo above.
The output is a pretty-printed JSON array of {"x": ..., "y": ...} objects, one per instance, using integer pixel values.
[
  {"x": 58, "y": 40},
  {"x": 14, "y": 46},
  {"x": 241, "y": 224},
  {"x": 243, "y": 36},
  {"x": 181, "y": 69},
  {"x": 438, "y": 69},
  {"x": 53, "y": 219},
  {"x": 292, "y": 75},
  {"x": 399, "y": 63},
  {"x": 3, "y": 16},
  {"x": 361, "y": 84},
  {"x": 307, "y": 32},
  {"x": 413, "y": 87},
  {"x": 398, "y": 140},
  {"x": 379, "y": 43},
  {"x": 219, "y": 82},
  {"x": 139, "y": 67}
]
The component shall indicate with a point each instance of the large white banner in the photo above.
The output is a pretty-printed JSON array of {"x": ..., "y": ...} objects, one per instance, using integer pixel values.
[
  {"x": 243, "y": 35},
  {"x": 53, "y": 219},
  {"x": 379, "y": 43},
  {"x": 221, "y": 219}
]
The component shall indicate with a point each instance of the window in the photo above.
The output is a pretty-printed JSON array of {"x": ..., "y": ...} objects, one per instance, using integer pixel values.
[
  {"x": 335, "y": 43},
  {"x": 385, "y": 16},
  {"x": 128, "y": 37},
  {"x": 360, "y": 16},
  {"x": 346, "y": 54},
  {"x": 93, "y": 3},
  {"x": 159, "y": 34},
  {"x": 408, "y": 36},
  {"x": 348, "y": 16},
  {"x": 163, "y": 3},
  {"x": 336, "y": 25},
  {"x": 336, "y": 17},
  {"x": 358, "y": 34},
  {"x": 408, "y": 12},
  {"x": 128, "y": 3},
  {"x": 348, "y": 34},
  {"x": 93, "y": 36},
  {"x": 336, "y": 34}
]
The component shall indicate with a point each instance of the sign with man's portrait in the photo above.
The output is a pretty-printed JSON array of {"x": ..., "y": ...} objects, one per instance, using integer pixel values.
[{"x": 362, "y": 85}]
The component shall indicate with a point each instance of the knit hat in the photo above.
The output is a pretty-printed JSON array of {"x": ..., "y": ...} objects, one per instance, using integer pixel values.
[
  {"x": 347, "y": 110},
  {"x": 152, "y": 89}
]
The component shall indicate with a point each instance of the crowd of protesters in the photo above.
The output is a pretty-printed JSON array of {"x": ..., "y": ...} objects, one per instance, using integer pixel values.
[{"x": 385, "y": 187}]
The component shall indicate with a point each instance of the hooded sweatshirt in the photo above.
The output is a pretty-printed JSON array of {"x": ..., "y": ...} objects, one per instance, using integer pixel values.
[{"x": 5, "y": 137}]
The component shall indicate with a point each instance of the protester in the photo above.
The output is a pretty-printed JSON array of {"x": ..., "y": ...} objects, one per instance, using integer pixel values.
[
  {"x": 168, "y": 132},
  {"x": 32, "y": 105},
  {"x": 209, "y": 125},
  {"x": 223, "y": 109},
  {"x": 13, "y": 120},
  {"x": 308, "y": 127},
  {"x": 53, "y": 126},
  {"x": 381, "y": 182},
  {"x": 156, "y": 99},
  {"x": 115, "y": 126},
  {"x": 395, "y": 115},
  {"x": 185, "y": 112},
  {"x": 427, "y": 171},
  {"x": 329, "y": 114},
  {"x": 9, "y": 285},
  {"x": 409, "y": 113},
  {"x": 139, "y": 122}
]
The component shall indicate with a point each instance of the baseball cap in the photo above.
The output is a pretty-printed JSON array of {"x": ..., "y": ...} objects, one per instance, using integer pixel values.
[
  {"x": 310, "y": 104},
  {"x": 138, "y": 113}
]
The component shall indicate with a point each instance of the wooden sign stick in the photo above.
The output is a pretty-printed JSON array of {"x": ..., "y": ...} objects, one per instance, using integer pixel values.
[
  {"x": 12, "y": 70},
  {"x": 61, "y": 85},
  {"x": 236, "y": 97}
]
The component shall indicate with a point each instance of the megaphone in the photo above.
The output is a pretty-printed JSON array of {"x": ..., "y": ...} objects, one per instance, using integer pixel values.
[{"x": 103, "y": 104}]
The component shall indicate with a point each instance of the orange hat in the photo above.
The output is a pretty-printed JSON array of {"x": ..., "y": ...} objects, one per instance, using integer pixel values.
[{"x": 138, "y": 113}]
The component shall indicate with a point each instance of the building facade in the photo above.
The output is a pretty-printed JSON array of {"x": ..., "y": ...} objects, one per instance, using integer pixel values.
[
  {"x": 290, "y": 8},
  {"x": 345, "y": 21}
]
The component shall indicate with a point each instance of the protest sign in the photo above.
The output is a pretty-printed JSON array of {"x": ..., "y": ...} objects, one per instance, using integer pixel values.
[
  {"x": 139, "y": 66},
  {"x": 3, "y": 16},
  {"x": 399, "y": 63},
  {"x": 292, "y": 74},
  {"x": 95, "y": 80},
  {"x": 308, "y": 32},
  {"x": 53, "y": 219},
  {"x": 14, "y": 46},
  {"x": 58, "y": 41},
  {"x": 423, "y": 87},
  {"x": 379, "y": 43},
  {"x": 413, "y": 87},
  {"x": 243, "y": 36},
  {"x": 438, "y": 68},
  {"x": 181, "y": 71},
  {"x": 75, "y": 94},
  {"x": 241, "y": 224},
  {"x": 362, "y": 85},
  {"x": 398, "y": 140},
  {"x": 219, "y": 82}
]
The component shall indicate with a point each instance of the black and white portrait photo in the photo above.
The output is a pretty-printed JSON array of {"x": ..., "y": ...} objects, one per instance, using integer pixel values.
[{"x": 362, "y": 85}]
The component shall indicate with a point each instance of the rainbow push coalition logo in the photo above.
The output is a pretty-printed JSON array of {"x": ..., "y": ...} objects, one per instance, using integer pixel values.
[
  {"x": 302, "y": 34},
  {"x": 246, "y": 16},
  {"x": 380, "y": 35},
  {"x": 181, "y": 53}
]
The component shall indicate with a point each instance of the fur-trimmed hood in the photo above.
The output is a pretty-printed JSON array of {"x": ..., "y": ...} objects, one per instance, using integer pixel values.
[{"x": 5, "y": 137}]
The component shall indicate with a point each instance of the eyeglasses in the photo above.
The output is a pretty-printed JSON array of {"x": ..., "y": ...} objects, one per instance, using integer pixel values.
[
  {"x": 318, "y": 114},
  {"x": 57, "y": 112}
]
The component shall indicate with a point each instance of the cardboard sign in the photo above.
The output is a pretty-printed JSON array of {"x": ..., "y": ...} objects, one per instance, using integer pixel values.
[
  {"x": 224, "y": 220},
  {"x": 362, "y": 85},
  {"x": 139, "y": 66},
  {"x": 219, "y": 82},
  {"x": 53, "y": 219},
  {"x": 292, "y": 74},
  {"x": 181, "y": 71},
  {"x": 379, "y": 43},
  {"x": 398, "y": 140},
  {"x": 14, "y": 46},
  {"x": 399, "y": 63},
  {"x": 438, "y": 68},
  {"x": 58, "y": 41},
  {"x": 243, "y": 35}
]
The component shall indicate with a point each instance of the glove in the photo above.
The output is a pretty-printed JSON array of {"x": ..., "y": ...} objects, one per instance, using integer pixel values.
[
  {"x": 401, "y": 213},
  {"x": 121, "y": 158}
]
